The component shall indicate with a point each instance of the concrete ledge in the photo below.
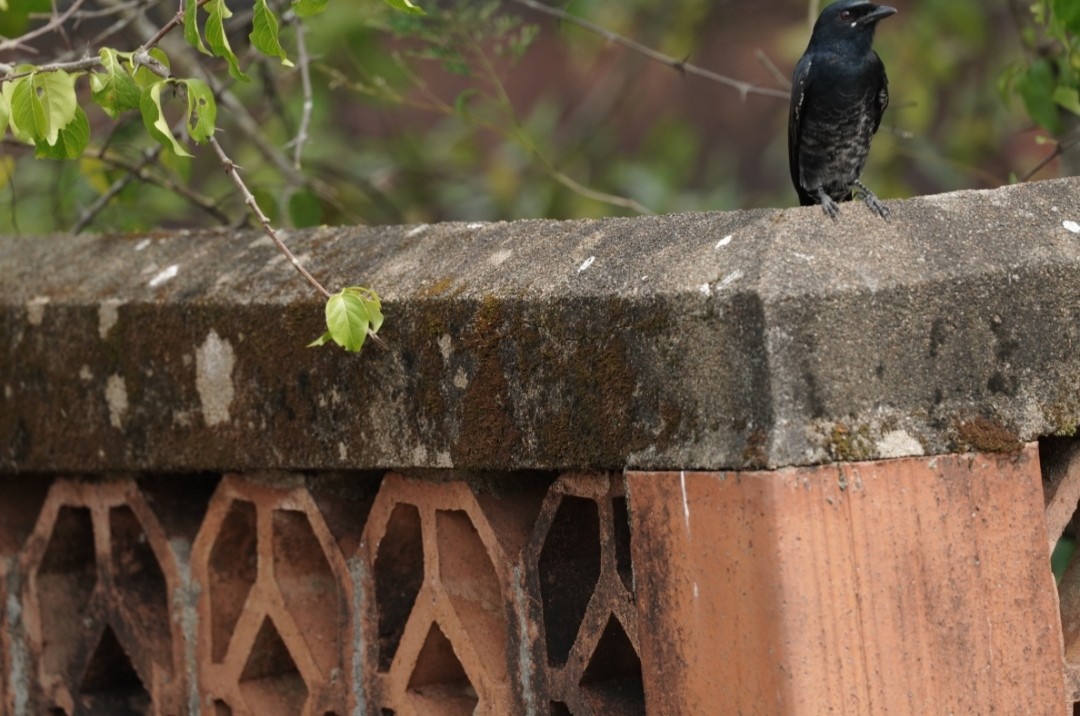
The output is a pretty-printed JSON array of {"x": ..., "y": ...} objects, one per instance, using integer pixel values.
[{"x": 723, "y": 340}]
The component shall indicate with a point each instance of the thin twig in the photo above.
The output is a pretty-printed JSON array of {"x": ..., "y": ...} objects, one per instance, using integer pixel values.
[
  {"x": 91, "y": 212},
  {"x": 1059, "y": 148},
  {"x": 773, "y": 70},
  {"x": 56, "y": 22},
  {"x": 525, "y": 140},
  {"x": 303, "y": 63},
  {"x": 232, "y": 170},
  {"x": 194, "y": 198},
  {"x": 86, "y": 63},
  {"x": 114, "y": 9},
  {"x": 185, "y": 62},
  {"x": 744, "y": 88},
  {"x": 165, "y": 29}
]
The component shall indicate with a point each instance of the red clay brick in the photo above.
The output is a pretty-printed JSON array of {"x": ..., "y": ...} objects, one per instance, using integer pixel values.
[
  {"x": 578, "y": 564},
  {"x": 1060, "y": 460},
  {"x": 440, "y": 624},
  {"x": 501, "y": 601},
  {"x": 274, "y": 606},
  {"x": 20, "y": 502},
  {"x": 910, "y": 586},
  {"x": 100, "y": 625}
]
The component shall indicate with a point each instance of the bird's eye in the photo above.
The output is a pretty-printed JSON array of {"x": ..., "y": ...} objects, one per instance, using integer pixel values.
[{"x": 845, "y": 15}]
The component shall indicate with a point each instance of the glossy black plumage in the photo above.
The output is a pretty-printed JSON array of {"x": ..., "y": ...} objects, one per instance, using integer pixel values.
[{"x": 839, "y": 92}]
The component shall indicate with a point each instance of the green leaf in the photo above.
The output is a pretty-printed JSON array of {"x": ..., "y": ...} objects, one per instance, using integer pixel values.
[
  {"x": 371, "y": 300},
  {"x": 321, "y": 340},
  {"x": 305, "y": 209},
  {"x": 406, "y": 6},
  {"x": 347, "y": 320},
  {"x": 351, "y": 314},
  {"x": 1068, "y": 98},
  {"x": 461, "y": 104},
  {"x": 202, "y": 110},
  {"x": 307, "y": 8},
  {"x": 264, "y": 33},
  {"x": 7, "y": 89},
  {"x": 154, "y": 118},
  {"x": 1067, "y": 12},
  {"x": 5, "y": 111},
  {"x": 218, "y": 41},
  {"x": 191, "y": 27},
  {"x": 42, "y": 103},
  {"x": 114, "y": 90},
  {"x": 70, "y": 142},
  {"x": 1036, "y": 88}
]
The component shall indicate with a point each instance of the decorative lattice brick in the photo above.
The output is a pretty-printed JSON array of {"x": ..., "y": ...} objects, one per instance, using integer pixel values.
[
  {"x": 102, "y": 628},
  {"x": 1060, "y": 459},
  {"x": 917, "y": 586},
  {"x": 578, "y": 563},
  {"x": 276, "y": 593},
  {"x": 440, "y": 559},
  {"x": 20, "y": 502}
]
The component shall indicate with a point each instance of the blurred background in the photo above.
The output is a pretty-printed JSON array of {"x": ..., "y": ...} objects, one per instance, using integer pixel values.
[{"x": 491, "y": 110}]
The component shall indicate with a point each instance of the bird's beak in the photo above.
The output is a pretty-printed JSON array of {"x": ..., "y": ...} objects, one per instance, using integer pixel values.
[{"x": 879, "y": 13}]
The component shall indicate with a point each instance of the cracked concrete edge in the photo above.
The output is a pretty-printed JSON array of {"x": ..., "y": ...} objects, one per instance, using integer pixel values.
[{"x": 747, "y": 339}]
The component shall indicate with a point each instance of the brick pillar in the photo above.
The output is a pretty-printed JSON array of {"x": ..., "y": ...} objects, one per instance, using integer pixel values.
[{"x": 912, "y": 586}]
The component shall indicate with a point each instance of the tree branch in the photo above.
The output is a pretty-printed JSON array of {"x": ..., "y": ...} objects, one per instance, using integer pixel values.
[
  {"x": 303, "y": 63},
  {"x": 231, "y": 169},
  {"x": 56, "y": 22},
  {"x": 744, "y": 88}
]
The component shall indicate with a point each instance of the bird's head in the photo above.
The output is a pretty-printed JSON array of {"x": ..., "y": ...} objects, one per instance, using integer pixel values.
[{"x": 850, "y": 21}]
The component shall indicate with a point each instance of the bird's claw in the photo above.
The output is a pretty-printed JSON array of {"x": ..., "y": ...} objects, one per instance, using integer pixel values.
[
  {"x": 872, "y": 201},
  {"x": 830, "y": 207}
]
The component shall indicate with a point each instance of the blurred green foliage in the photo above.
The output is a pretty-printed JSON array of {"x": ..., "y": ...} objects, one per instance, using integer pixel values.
[{"x": 484, "y": 110}]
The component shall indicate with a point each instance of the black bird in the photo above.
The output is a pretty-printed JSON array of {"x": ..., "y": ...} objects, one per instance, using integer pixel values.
[{"x": 839, "y": 92}]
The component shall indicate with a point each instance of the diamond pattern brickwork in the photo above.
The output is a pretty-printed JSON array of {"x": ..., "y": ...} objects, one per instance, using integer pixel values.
[
  {"x": 449, "y": 593},
  {"x": 101, "y": 632},
  {"x": 274, "y": 614}
]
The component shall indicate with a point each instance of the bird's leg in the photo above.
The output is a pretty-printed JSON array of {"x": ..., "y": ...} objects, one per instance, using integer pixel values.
[
  {"x": 827, "y": 204},
  {"x": 872, "y": 201}
]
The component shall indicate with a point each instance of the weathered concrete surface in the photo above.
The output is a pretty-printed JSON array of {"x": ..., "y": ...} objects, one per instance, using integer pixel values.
[{"x": 721, "y": 340}]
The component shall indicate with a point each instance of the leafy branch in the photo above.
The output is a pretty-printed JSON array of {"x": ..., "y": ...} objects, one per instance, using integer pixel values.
[
  {"x": 39, "y": 104},
  {"x": 1048, "y": 81}
]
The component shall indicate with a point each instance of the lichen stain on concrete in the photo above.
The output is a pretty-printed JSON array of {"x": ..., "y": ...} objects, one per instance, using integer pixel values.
[
  {"x": 165, "y": 275},
  {"x": 107, "y": 316},
  {"x": 117, "y": 399},
  {"x": 214, "y": 361},
  {"x": 35, "y": 310},
  {"x": 446, "y": 346},
  {"x": 898, "y": 443}
]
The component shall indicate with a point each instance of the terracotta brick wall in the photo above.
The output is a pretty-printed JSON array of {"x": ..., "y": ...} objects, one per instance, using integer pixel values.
[
  {"x": 283, "y": 593},
  {"x": 844, "y": 587}
]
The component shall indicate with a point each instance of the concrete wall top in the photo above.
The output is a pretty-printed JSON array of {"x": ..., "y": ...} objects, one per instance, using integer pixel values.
[{"x": 699, "y": 341}]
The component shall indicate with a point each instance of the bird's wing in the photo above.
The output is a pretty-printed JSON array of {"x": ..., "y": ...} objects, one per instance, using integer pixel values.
[
  {"x": 800, "y": 81},
  {"x": 882, "y": 99}
]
